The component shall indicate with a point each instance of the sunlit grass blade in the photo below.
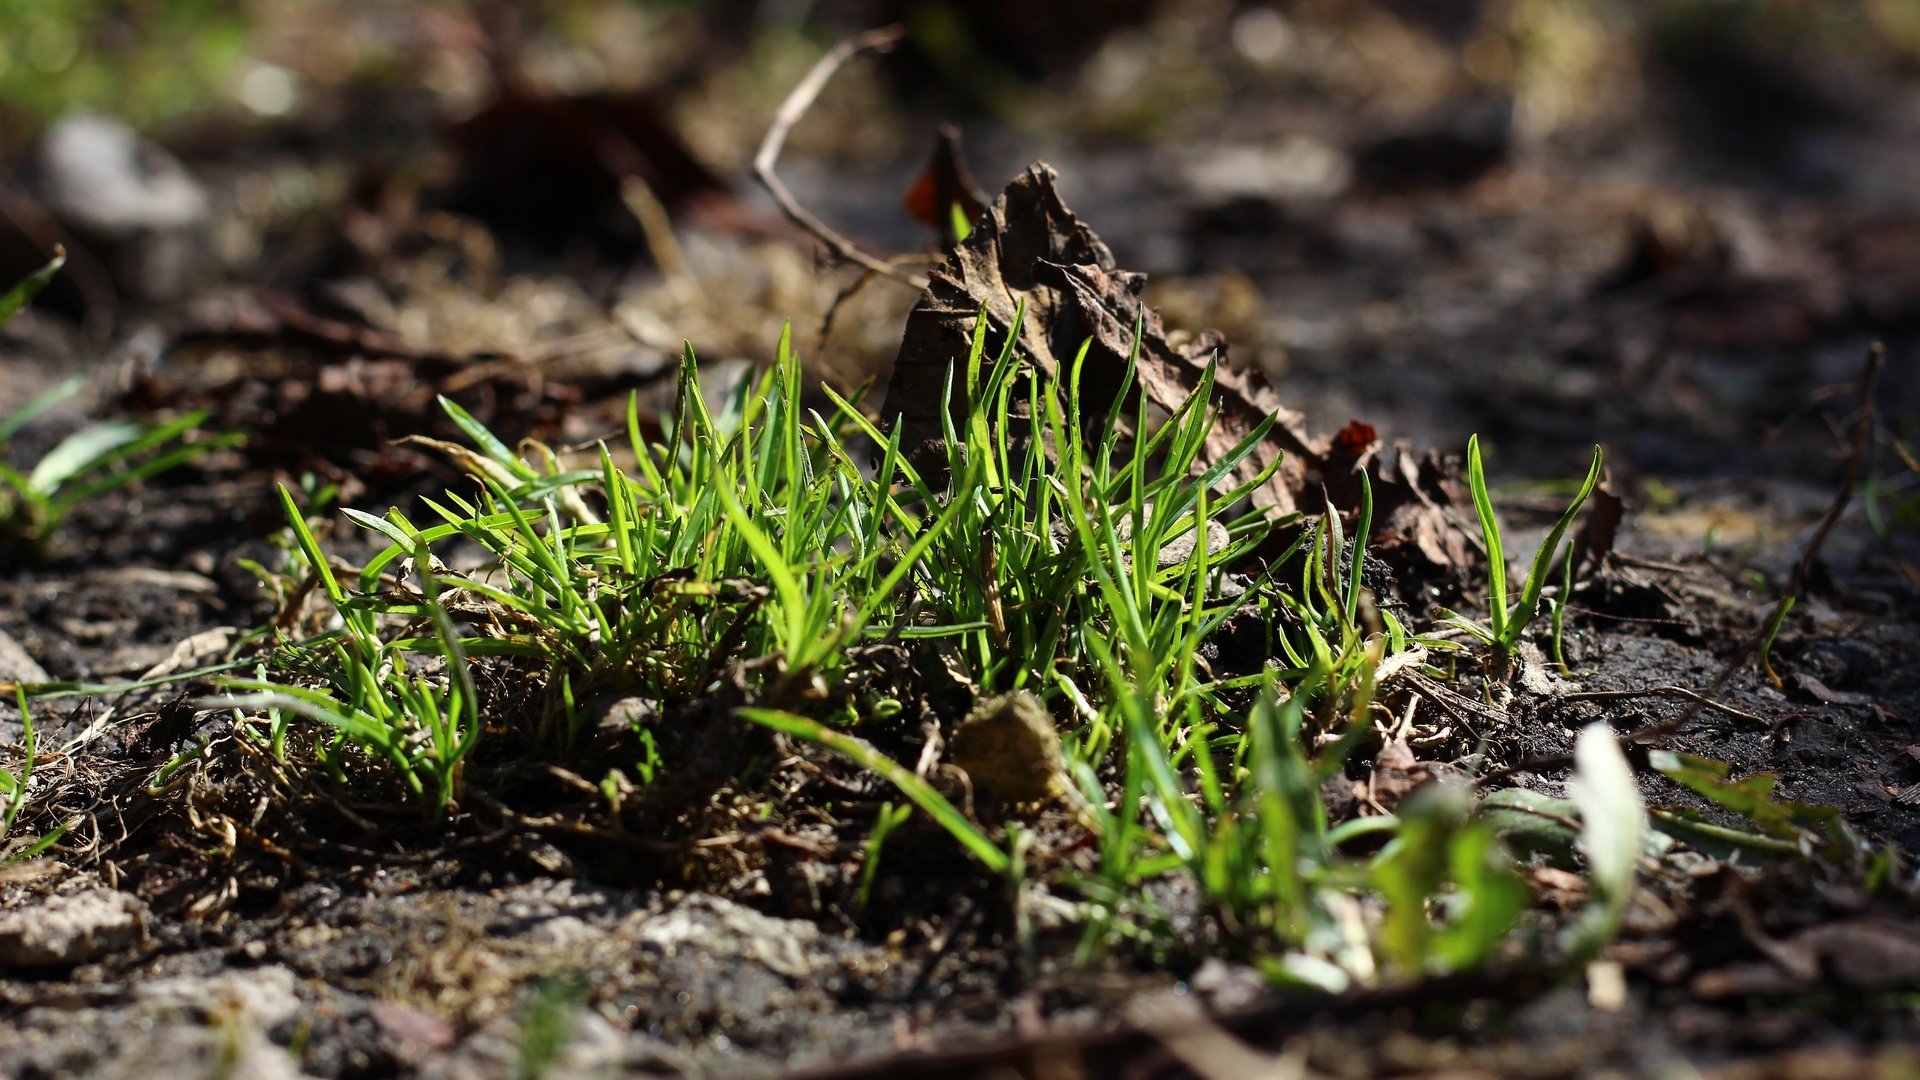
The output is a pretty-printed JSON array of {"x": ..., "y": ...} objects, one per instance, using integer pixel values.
[
  {"x": 1543, "y": 559},
  {"x": 918, "y": 791},
  {"x": 485, "y": 440},
  {"x": 1490, "y": 533},
  {"x": 40, "y": 403},
  {"x": 17, "y": 297}
]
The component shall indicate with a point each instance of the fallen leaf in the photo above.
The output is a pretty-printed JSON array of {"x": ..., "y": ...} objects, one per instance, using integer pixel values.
[
  {"x": 1396, "y": 772},
  {"x": 1030, "y": 245},
  {"x": 1420, "y": 524}
]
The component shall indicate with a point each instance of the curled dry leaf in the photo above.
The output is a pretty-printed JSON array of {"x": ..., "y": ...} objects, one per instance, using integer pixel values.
[
  {"x": 1031, "y": 246},
  {"x": 1420, "y": 524}
]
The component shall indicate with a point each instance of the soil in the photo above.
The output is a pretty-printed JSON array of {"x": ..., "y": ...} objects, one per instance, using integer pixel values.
[{"x": 1657, "y": 277}]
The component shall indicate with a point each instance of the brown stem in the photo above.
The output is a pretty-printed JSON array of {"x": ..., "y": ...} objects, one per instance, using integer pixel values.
[{"x": 791, "y": 110}]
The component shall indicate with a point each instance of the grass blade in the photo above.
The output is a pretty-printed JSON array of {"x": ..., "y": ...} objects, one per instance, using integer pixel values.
[
  {"x": 14, "y": 299},
  {"x": 1490, "y": 532},
  {"x": 863, "y": 754}
]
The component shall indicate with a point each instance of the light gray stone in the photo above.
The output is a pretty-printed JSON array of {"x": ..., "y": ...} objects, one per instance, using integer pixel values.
[
  {"x": 61, "y": 931},
  {"x": 199, "y": 1051},
  {"x": 718, "y": 926},
  {"x": 16, "y": 666},
  {"x": 265, "y": 997},
  {"x": 132, "y": 204}
]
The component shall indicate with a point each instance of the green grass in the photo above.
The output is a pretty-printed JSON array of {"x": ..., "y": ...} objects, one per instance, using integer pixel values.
[
  {"x": 1508, "y": 618},
  {"x": 1891, "y": 502},
  {"x": 16, "y": 787},
  {"x": 96, "y": 460},
  {"x": 769, "y": 544}
]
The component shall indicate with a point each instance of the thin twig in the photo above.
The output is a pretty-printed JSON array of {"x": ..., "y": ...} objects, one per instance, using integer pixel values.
[
  {"x": 1797, "y": 581},
  {"x": 1696, "y": 697},
  {"x": 833, "y": 309},
  {"x": 791, "y": 110},
  {"x": 1862, "y": 432},
  {"x": 656, "y": 227}
]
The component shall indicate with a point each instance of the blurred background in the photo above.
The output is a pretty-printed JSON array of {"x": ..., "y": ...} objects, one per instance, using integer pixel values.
[{"x": 1669, "y": 225}]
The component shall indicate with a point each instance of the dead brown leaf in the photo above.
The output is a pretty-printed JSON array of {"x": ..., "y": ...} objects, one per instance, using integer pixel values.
[
  {"x": 1421, "y": 522},
  {"x": 1031, "y": 246}
]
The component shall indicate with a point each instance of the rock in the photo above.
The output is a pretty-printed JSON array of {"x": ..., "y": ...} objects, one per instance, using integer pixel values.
[
  {"x": 265, "y": 997},
  {"x": 132, "y": 205},
  {"x": 1227, "y": 986},
  {"x": 624, "y": 714},
  {"x": 199, "y": 1051},
  {"x": 61, "y": 931},
  {"x": 18, "y": 667},
  {"x": 1298, "y": 168},
  {"x": 717, "y": 927},
  {"x": 1010, "y": 750},
  {"x": 589, "y": 1046},
  {"x": 411, "y": 1034},
  {"x": 1176, "y": 549},
  {"x": 197, "y": 650}
]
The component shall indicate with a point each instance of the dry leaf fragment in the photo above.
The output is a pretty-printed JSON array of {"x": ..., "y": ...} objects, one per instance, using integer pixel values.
[{"x": 944, "y": 185}]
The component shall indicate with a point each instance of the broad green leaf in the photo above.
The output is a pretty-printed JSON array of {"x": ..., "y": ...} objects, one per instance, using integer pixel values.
[
  {"x": 1531, "y": 823},
  {"x": 1488, "y": 900},
  {"x": 77, "y": 453}
]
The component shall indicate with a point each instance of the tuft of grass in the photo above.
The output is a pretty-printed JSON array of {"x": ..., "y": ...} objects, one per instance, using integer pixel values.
[
  {"x": 13, "y": 786},
  {"x": 421, "y": 719},
  {"x": 547, "y": 1024},
  {"x": 918, "y": 791},
  {"x": 890, "y": 818},
  {"x": 96, "y": 460},
  {"x": 1508, "y": 617},
  {"x": 762, "y": 547}
]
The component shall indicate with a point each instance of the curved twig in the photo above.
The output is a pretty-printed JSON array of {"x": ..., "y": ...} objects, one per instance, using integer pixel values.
[
  {"x": 1802, "y": 569},
  {"x": 791, "y": 110},
  {"x": 1796, "y": 582}
]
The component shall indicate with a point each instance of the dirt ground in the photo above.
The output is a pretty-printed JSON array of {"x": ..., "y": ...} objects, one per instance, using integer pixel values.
[{"x": 1671, "y": 239}]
